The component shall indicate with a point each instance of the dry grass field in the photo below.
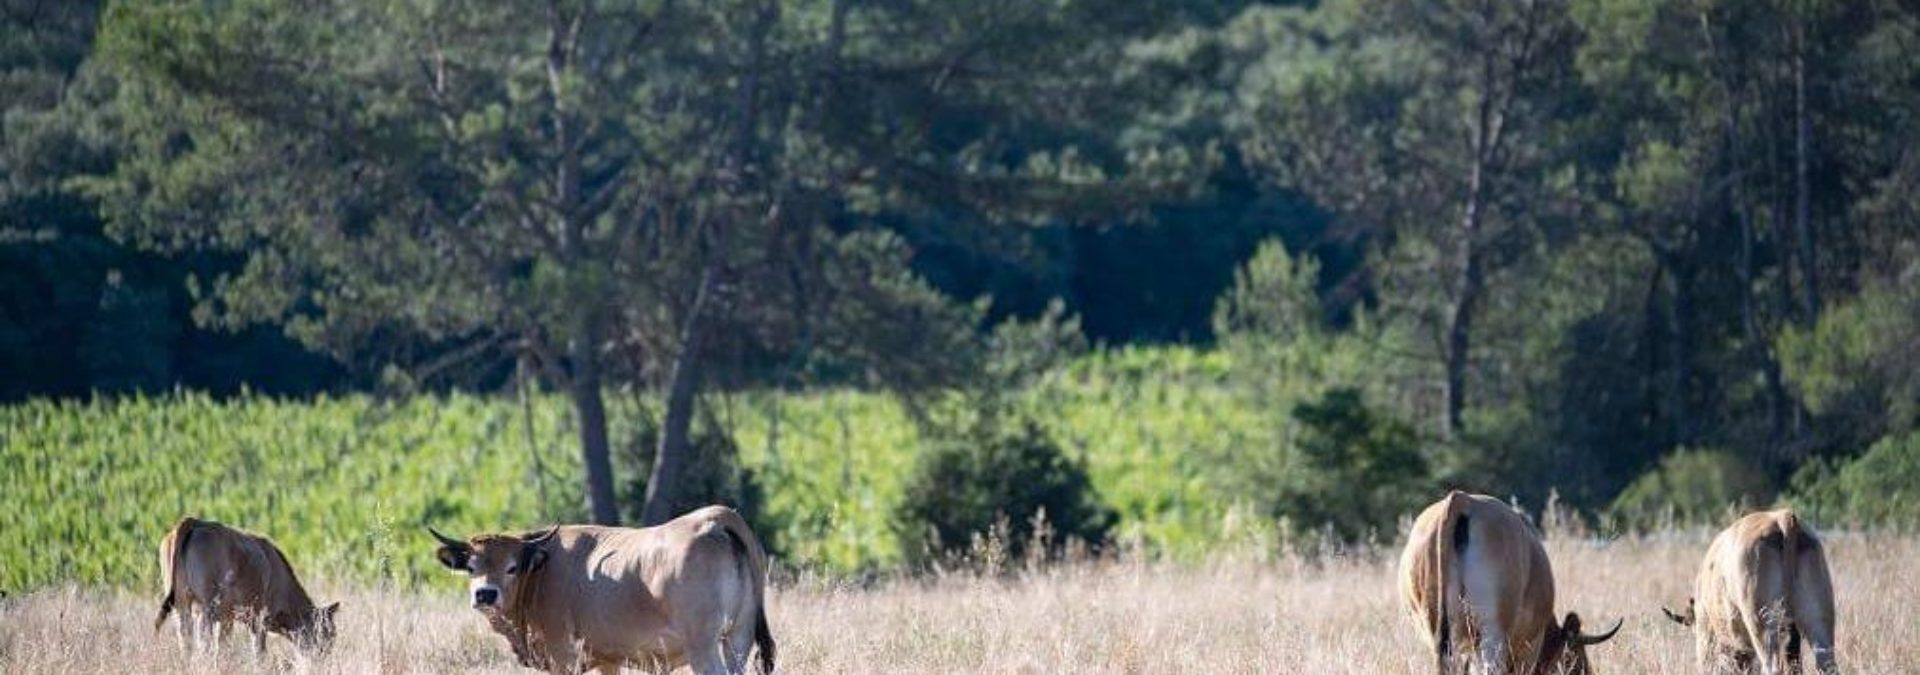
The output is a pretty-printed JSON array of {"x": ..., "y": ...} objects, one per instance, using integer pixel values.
[{"x": 1288, "y": 616}]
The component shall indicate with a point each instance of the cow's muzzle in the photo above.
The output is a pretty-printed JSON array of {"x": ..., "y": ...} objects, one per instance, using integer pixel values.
[{"x": 486, "y": 597}]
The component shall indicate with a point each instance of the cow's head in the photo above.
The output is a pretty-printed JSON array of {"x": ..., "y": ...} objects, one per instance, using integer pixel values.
[
  {"x": 311, "y": 630},
  {"x": 493, "y": 563},
  {"x": 1686, "y": 619},
  {"x": 1565, "y": 652}
]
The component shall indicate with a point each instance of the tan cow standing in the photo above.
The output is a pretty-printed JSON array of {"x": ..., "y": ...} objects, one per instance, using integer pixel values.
[
  {"x": 220, "y": 575},
  {"x": 691, "y": 591},
  {"x": 1478, "y": 584},
  {"x": 1762, "y": 588}
]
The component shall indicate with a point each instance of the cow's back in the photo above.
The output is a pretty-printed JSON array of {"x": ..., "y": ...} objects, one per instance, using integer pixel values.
[
  {"x": 217, "y": 564},
  {"x": 633, "y": 591}
]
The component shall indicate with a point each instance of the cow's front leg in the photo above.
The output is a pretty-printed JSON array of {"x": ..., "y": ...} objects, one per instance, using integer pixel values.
[{"x": 562, "y": 658}]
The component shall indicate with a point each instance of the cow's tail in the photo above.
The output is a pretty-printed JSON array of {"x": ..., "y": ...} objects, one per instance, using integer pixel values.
[
  {"x": 763, "y": 639},
  {"x": 171, "y": 547},
  {"x": 1792, "y": 534},
  {"x": 1450, "y": 544},
  {"x": 753, "y": 561},
  {"x": 1792, "y": 538}
]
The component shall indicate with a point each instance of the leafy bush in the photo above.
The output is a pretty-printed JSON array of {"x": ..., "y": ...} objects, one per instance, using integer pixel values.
[
  {"x": 342, "y": 484},
  {"x": 1858, "y": 366},
  {"x": 1881, "y": 487},
  {"x": 1355, "y": 471},
  {"x": 1000, "y": 482},
  {"x": 1272, "y": 297},
  {"x": 1691, "y": 487}
]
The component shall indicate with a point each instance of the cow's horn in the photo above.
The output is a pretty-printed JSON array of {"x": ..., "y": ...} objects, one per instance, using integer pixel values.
[
  {"x": 1585, "y": 640},
  {"x": 543, "y": 536},
  {"x": 1677, "y": 617},
  {"x": 444, "y": 539}
]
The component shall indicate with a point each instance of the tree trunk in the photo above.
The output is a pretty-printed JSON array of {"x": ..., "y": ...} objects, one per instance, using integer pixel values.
[
  {"x": 1802, "y": 189},
  {"x": 1784, "y": 301},
  {"x": 1679, "y": 351},
  {"x": 676, "y": 425},
  {"x": 1467, "y": 298},
  {"x": 1756, "y": 342},
  {"x": 591, "y": 406},
  {"x": 584, "y": 379}
]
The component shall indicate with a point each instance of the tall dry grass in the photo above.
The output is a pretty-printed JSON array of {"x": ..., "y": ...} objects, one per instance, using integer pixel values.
[{"x": 1295, "y": 615}]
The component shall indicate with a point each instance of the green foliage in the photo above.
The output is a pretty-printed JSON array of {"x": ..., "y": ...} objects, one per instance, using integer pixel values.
[
  {"x": 1860, "y": 364},
  {"x": 342, "y": 484},
  {"x": 1004, "y": 483},
  {"x": 1692, "y": 487},
  {"x": 1355, "y": 471},
  {"x": 1879, "y": 488},
  {"x": 1164, "y": 436},
  {"x": 1272, "y": 299},
  {"x": 1658, "y": 225},
  {"x": 1023, "y": 351}
]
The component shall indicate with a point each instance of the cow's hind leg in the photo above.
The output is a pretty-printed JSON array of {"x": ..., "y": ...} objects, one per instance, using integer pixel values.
[
  {"x": 738, "y": 644},
  {"x": 1493, "y": 653},
  {"x": 1765, "y": 634},
  {"x": 1819, "y": 636},
  {"x": 207, "y": 630},
  {"x": 183, "y": 627},
  {"x": 259, "y": 638},
  {"x": 1793, "y": 650},
  {"x": 708, "y": 657},
  {"x": 1813, "y": 612}
]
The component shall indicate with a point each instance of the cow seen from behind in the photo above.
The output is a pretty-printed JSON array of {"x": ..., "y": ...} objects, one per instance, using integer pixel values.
[
  {"x": 1763, "y": 594},
  {"x": 1478, "y": 584}
]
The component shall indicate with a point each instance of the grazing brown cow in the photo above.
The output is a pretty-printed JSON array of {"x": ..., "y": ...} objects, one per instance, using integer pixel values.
[
  {"x": 691, "y": 591},
  {"x": 1763, "y": 587},
  {"x": 226, "y": 575},
  {"x": 1478, "y": 583}
]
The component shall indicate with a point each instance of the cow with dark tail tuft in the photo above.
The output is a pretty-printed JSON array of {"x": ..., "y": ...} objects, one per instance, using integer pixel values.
[
  {"x": 691, "y": 591},
  {"x": 1478, "y": 584},
  {"x": 1763, "y": 589}
]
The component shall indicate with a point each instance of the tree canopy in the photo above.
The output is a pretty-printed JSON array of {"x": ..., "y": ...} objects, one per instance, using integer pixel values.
[{"x": 1546, "y": 243}]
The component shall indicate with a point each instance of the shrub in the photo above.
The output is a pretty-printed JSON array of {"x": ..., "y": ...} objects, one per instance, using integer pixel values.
[
  {"x": 1000, "y": 482},
  {"x": 1355, "y": 471},
  {"x": 1857, "y": 367},
  {"x": 1881, "y": 487},
  {"x": 1690, "y": 487},
  {"x": 1272, "y": 298}
]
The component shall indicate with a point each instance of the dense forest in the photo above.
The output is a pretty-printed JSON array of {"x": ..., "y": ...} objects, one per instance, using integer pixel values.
[{"x": 1586, "y": 247}]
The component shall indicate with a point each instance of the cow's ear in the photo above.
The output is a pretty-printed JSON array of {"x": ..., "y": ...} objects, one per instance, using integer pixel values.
[
  {"x": 536, "y": 556},
  {"x": 1682, "y": 619},
  {"x": 453, "y": 558},
  {"x": 1553, "y": 649}
]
